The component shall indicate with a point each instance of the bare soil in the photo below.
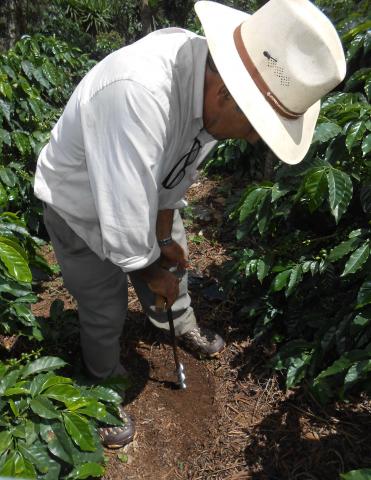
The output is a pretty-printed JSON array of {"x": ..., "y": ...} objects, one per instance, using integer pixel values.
[{"x": 234, "y": 421}]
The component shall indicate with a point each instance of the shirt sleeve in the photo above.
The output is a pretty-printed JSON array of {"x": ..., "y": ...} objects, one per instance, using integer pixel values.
[{"x": 124, "y": 128}]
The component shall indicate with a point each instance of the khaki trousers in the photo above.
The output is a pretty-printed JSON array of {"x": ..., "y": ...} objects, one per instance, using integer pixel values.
[{"x": 100, "y": 289}]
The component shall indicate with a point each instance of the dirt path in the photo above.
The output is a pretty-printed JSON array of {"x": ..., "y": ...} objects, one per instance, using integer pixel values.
[{"x": 233, "y": 421}]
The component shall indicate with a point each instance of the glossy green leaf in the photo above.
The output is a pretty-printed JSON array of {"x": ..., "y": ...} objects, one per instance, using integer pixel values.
[
  {"x": 252, "y": 201},
  {"x": 5, "y": 137},
  {"x": 44, "y": 408},
  {"x": 366, "y": 145},
  {"x": 362, "y": 474},
  {"x": 296, "y": 275},
  {"x": 365, "y": 197},
  {"x": 325, "y": 131},
  {"x": 22, "y": 142},
  {"x": 86, "y": 471},
  {"x": 357, "y": 259},
  {"x": 15, "y": 263},
  {"x": 356, "y": 373},
  {"x": 343, "y": 249},
  {"x": 39, "y": 76},
  {"x": 315, "y": 185},
  {"x": 89, "y": 407},
  {"x": 340, "y": 192},
  {"x": 355, "y": 134},
  {"x": 364, "y": 294},
  {"x": 57, "y": 441},
  {"x": 62, "y": 393},
  {"x": 41, "y": 364},
  {"x": 105, "y": 394},
  {"x": 5, "y": 109},
  {"x": 28, "y": 68},
  {"x": 38, "y": 455},
  {"x": 55, "y": 380},
  {"x": 16, "y": 466},
  {"x": 263, "y": 268},
  {"x": 281, "y": 280},
  {"x": 342, "y": 364},
  {"x": 78, "y": 429},
  {"x": 8, "y": 177},
  {"x": 8, "y": 380},
  {"x": 5, "y": 441}
]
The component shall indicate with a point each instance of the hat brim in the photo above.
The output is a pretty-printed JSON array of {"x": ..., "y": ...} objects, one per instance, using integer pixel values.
[{"x": 288, "y": 139}]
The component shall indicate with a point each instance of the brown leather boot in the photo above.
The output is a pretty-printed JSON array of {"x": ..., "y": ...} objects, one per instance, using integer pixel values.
[
  {"x": 117, "y": 437},
  {"x": 202, "y": 342}
]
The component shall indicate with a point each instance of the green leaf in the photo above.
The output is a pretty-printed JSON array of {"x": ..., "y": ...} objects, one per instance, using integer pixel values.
[
  {"x": 15, "y": 263},
  {"x": 315, "y": 186},
  {"x": 21, "y": 140},
  {"x": 342, "y": 364},
  {"x": 364, "y": 294},
  {"x": 343, "y": 249},
  {"x": 355, "y": 134},
  {"x": 263, "y": 268},
  {"x": 366, "y": 145},
  {"x": 6, "y": 109},
  {"x": 365, "y": 197},
  {"x": 78, "y": 429},
  {"x": 295, "y": 278},
  {"x": 55, "y": 380},
  {"x": 297, "y": 369},
  {"x": 37, "y": 454},
  {"x": 5, "y": 441},
  {"x": 357, "y": 259},
  {"x": 105, "y": 394},
  {"x": 5, "y": 137},
  {"x": 340, "y": 192},
  {"x": 8, "y": 177},
  {"x": 39, "y": 76},
  {"x": 12, "y": 243},
  {"x": 325, "y": 131},
  {"x": 44, "y": 408},
  {"x": 28, "y": 68},
  {"x": 56, "y": 442},
  {"x": 357, "y": 373},
  {"x": 363, "y": 474},
  {"x": 251, "y": 202},
  {"x": 281, "y": 280},
  {"x": 41, "y": 364},
  {"x": 63, "y": 393},
  {"x": 17, "y": 466},
  {"x": 85, "y": 471},
  {"x": 8, "y": 380}
]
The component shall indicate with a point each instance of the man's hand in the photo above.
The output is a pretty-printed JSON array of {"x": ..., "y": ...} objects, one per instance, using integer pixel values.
[
  {"x": 173, "y": 255},
  {"x": 161, "y": 282}
]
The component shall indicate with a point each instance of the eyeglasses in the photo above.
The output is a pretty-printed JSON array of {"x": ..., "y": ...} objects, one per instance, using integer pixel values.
[{"x": 177, "y": 173}]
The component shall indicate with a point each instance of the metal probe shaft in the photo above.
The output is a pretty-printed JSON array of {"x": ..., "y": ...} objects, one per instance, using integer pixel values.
[{"x": 178, "y": 365}]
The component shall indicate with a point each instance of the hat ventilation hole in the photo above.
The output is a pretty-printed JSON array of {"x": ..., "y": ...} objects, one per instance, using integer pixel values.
[{"x": 279, "y": 71}]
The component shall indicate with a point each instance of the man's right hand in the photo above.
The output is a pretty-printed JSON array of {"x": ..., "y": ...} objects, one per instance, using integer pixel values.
[{"x": 161, "y": 282}]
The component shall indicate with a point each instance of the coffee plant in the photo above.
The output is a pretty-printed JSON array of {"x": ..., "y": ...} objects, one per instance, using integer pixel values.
[
  {"x": 306, "y": 263},
  {"x": 48, "y": 425},
  {"x": 37, "y": 77}
]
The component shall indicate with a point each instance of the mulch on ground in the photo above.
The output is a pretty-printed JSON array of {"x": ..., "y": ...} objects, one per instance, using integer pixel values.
[{"x": 234, "y": 421}]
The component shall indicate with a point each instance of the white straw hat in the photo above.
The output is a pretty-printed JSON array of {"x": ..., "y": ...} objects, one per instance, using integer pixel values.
[{"x": 277, "y": 64}]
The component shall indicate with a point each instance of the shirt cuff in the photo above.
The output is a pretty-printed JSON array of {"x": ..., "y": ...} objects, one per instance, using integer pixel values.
[{"x": 135, "y": 263}]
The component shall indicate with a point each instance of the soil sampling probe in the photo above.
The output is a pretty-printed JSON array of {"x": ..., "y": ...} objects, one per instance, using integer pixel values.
[
  {"x": 161, "y": 305},
  {"x": 179, "y": 366}
]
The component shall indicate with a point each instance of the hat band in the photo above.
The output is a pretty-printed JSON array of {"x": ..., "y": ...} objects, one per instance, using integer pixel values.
[{"x": 259, "y": 80}]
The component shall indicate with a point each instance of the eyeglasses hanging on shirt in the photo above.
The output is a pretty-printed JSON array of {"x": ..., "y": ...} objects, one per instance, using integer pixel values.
[{"x": 177, "y": 173}]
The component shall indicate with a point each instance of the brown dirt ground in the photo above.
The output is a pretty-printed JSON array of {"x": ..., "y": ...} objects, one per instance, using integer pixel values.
[{"x": 234, "y": 421}]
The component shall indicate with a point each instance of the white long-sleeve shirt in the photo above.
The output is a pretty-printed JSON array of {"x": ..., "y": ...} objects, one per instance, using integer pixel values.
[{"x": 129, "y": 121}]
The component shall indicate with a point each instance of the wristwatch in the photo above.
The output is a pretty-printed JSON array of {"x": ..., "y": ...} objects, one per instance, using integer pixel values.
[{"x": 165, "y": 241}]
